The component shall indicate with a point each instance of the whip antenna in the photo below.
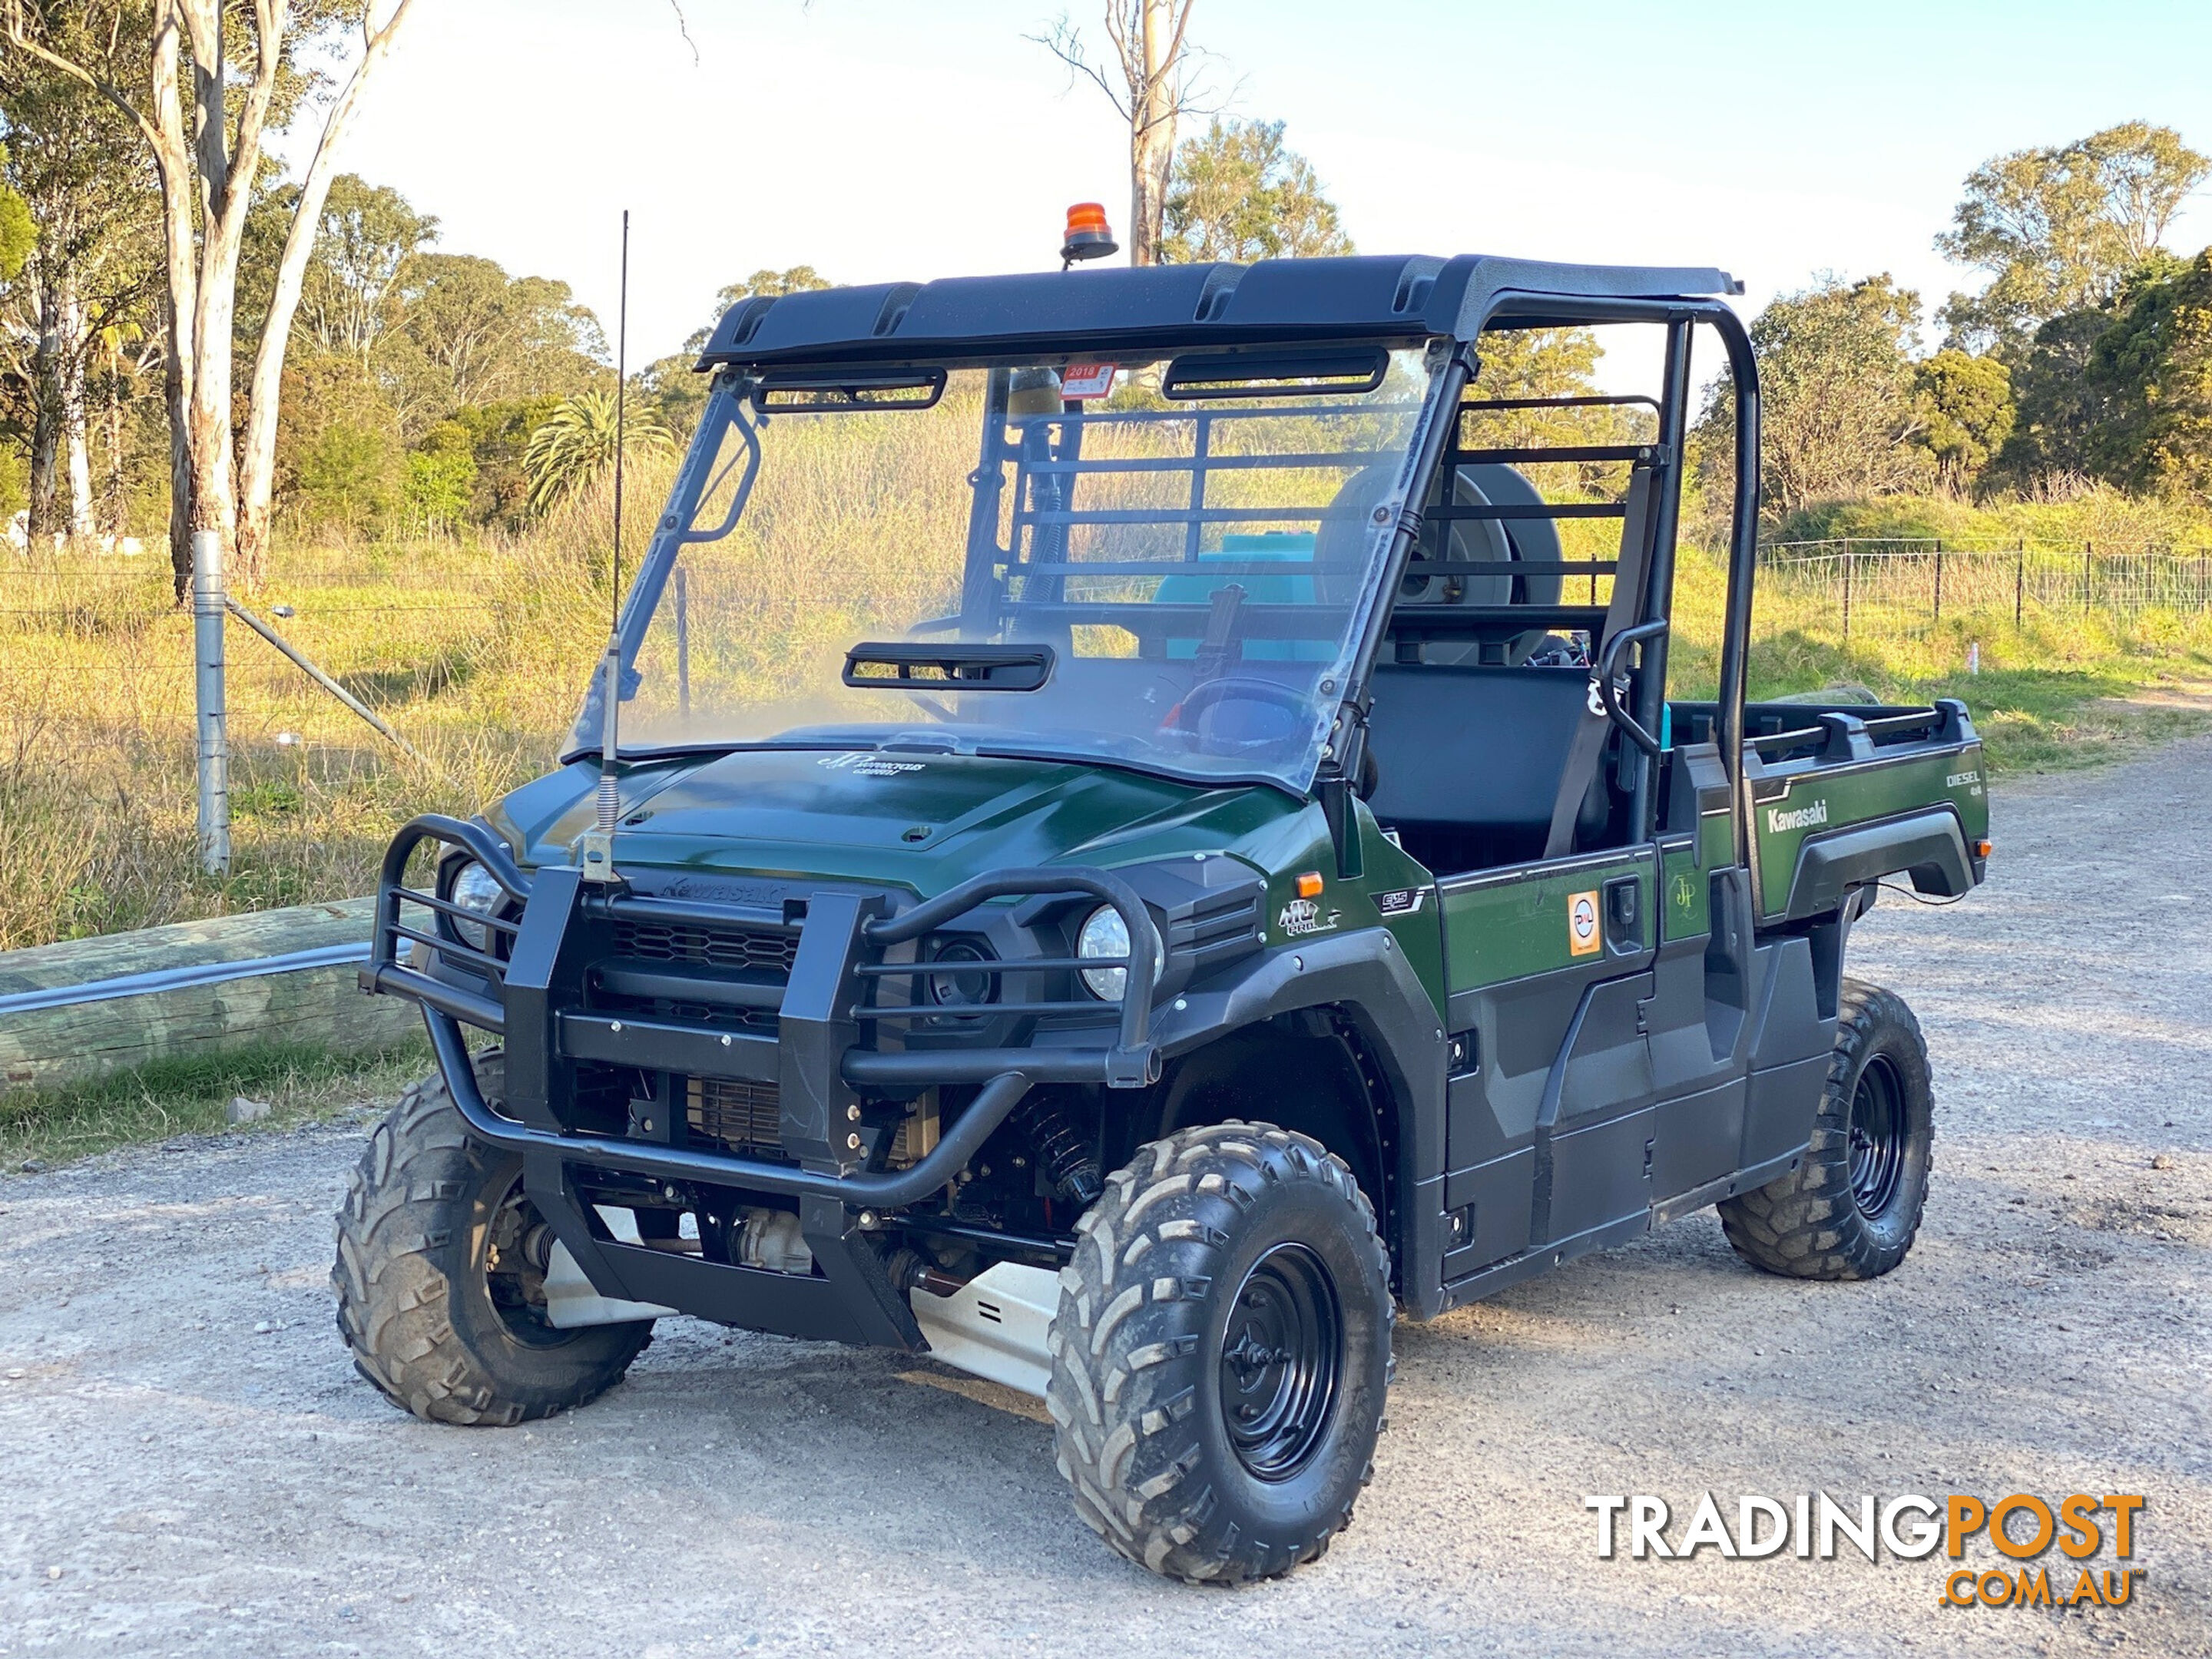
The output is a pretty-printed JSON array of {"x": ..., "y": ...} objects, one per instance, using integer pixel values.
[{"x": 598, "y": 846}]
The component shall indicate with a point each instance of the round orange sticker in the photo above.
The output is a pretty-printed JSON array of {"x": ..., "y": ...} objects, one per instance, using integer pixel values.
[{"x": 1583, "y": 936}]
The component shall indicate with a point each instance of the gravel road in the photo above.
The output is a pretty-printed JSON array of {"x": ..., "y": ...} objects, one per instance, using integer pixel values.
[{"x": 190, "y": 1466}]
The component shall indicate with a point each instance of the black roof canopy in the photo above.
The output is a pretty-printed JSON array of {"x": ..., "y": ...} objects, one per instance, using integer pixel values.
[{"x": 1117, "y": 310}]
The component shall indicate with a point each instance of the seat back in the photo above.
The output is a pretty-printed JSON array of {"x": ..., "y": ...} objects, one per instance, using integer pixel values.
[{"x": 1468, "y": 760}]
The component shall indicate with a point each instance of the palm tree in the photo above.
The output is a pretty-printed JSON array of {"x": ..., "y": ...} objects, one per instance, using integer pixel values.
[{"x": 577, "y": 444}]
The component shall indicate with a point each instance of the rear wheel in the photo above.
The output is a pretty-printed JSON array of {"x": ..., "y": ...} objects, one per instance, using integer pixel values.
[
  {"x": 440, "y": 1275},
  {"x": 1221, "y": 1353},
  {"x": 1852, "y": 1208}
]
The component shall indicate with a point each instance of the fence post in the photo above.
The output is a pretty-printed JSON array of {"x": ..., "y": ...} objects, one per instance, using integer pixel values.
[
  {"x": 1939, "y": 580},
  {"x": 208, "y": 610},
  {"x": 1847, "y": 590},
  {"x": 2020, "y": 585},
  {"x": 2088, "y": 549},
  {"x": 683, "y": 640}
]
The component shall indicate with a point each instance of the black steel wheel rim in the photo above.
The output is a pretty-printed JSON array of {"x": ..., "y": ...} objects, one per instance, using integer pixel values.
[
  {"x": 1281, "y": 1358},
  {"x": 1877, "y": 1137}
]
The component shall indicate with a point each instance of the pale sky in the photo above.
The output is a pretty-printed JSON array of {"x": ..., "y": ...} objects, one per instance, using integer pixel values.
[{"x": 882, "y": 140}]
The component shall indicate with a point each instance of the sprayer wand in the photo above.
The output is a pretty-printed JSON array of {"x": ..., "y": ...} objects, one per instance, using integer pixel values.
[{"x": 595, "y": 849}]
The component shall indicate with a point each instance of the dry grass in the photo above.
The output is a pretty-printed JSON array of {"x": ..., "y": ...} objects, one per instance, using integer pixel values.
[
  {"x": 181, "y": 1097},
  {"x": 477, "y": 654}
]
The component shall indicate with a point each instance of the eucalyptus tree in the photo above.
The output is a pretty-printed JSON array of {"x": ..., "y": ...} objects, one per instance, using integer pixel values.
[
  {"x": 1150, "y": 86},
  {"x": 2061, "y": 227},
  {"x": 204, "y": 83}
]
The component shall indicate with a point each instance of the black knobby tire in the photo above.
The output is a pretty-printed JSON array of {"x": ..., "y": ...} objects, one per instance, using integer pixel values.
[
  {"x": 433, "y": 1276},
  {"x": 1196, "y": 1446},
  {"x": 1852, "y": 1208}
]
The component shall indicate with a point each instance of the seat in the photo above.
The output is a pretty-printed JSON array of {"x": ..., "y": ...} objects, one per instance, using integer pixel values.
[{"x": 1468, "y": 760}]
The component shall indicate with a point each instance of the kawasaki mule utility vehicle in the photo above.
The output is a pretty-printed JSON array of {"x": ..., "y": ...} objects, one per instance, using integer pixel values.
[{"x": 1147, "y": 826}]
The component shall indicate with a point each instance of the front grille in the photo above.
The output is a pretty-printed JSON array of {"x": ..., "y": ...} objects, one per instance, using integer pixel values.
[
  {"x": 747, "y": 1118},
  {"x": 717, "y": 1016},
  {"x": 769, "y": 948},
  {"x": 744, "y": 1116}
]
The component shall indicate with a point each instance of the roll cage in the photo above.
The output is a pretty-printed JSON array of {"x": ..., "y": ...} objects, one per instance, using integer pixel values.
[{"x": 906, "y": 331}]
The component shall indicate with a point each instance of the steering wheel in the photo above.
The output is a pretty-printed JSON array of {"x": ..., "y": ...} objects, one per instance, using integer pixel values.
[{"x": 1183, "y": 724}]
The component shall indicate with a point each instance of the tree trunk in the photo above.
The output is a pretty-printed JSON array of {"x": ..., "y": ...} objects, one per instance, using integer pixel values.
[
  {"x": 173, "y": 165},
  {"x": 176, "y": 394},
  {"x": 257, "y": 463},
  {"x": 114, "y": 515},
  {"x": 46, "y": 423},
  {"x": 207, "y": 417},
  {"x": 1152, "y": 133},
  {"x": 74, "y": 419}
]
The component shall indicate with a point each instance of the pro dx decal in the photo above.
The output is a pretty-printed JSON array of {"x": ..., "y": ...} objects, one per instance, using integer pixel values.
[{"x": 1302, "y": 915}]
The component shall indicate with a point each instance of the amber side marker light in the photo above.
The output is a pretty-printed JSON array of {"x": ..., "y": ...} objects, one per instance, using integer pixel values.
[
  {"x": 1309, "y": 885},
  {"x": 1984, "y": 848}
]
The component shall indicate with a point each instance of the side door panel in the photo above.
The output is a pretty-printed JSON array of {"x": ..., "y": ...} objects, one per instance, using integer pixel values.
[
  {"x": 1529, "y": 984},
  {"x": 1699, "y": 1128}
]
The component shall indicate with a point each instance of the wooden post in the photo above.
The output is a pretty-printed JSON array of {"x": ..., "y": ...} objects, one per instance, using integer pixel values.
[
  {"x": 1939, "y": 581},
  {"x": 2088, "y": 550},
  {"x": 683, "y": 641},
  {"x": 2020, "y": 585},
  {"x": 318, "y": 1007}
]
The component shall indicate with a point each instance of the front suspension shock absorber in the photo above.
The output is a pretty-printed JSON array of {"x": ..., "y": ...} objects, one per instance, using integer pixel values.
[{"x": 1063, "y": 1151}]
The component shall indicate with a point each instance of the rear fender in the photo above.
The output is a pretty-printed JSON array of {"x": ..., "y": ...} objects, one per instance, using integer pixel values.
[{"x": 1929, "y": 846}]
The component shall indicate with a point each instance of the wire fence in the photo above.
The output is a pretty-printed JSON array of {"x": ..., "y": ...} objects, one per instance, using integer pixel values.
[{"x": 1879, "y": 585}]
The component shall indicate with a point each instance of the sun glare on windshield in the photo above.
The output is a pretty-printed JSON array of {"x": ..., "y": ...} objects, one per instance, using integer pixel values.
[{"x": 1173, "y": 559}]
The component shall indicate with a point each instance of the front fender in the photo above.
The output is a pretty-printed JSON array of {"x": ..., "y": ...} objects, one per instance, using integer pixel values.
[{"x": 1364, "y": 974}]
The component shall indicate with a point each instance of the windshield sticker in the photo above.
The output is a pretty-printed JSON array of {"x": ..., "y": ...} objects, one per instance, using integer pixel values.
[
  {"x": 1404, "y": 902},
  {"x": 1807, "y": 817},
  {"x": 1303, "y": 916},
  {"x": 867, "y": 766},
  {"x": 1083, "y": 381},
  {"x": 1583, "y": 937}
]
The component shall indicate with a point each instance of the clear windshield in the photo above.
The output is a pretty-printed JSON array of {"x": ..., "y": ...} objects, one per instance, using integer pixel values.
[{"x": 1186, "y": 580}]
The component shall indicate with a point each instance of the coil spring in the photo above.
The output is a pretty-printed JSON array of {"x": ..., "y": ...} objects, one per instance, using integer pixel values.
[{"x": 1061, "y": 1147}]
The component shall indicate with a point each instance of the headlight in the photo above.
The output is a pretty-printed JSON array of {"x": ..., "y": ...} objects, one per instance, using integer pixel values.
[
  {"x": 962, "y": 990},
  {"x": 1105, "y": 934},
  {"x": 474, "y": 888}
]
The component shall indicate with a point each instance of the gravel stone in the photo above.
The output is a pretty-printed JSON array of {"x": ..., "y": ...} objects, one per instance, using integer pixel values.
[{"x": 746, "y": 1494}]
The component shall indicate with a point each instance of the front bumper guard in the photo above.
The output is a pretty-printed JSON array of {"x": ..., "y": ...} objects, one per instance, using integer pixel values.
[{"x": 817, "y": 1059}]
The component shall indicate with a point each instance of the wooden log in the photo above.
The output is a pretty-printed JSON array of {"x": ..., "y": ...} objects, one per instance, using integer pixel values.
[{"x": 321, "y": 1007}]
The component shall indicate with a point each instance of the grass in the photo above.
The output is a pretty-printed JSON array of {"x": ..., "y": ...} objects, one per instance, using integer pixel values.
[
  {"x": 2061, "y": 691},
  {"x": 192, "y": 1096},
  {"x": 477, "y": 654}
]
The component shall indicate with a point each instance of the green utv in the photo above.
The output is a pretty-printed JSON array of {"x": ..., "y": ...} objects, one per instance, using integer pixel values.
[{"x": 1145, "y": 829}]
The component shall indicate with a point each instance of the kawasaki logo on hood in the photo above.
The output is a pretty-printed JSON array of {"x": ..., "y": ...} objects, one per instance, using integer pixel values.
[{"x": 1805, "y": 818}]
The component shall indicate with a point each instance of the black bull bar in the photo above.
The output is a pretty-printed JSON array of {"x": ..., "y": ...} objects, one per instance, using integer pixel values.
[{"x": 817, "y": 1058}]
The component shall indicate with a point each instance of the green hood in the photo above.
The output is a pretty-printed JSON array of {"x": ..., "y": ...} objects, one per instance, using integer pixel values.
[{"x": 922, "y": 821}]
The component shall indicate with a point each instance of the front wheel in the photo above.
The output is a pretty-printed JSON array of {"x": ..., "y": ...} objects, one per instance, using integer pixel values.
[
  {"x": 1852, "y": 1208},
  {"x": 440, "y": 1275},
  {"x": 1221, "y": 1353}
]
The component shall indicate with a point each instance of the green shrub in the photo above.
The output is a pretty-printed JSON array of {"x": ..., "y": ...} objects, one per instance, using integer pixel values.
[{"x": 350, "y": 479}]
